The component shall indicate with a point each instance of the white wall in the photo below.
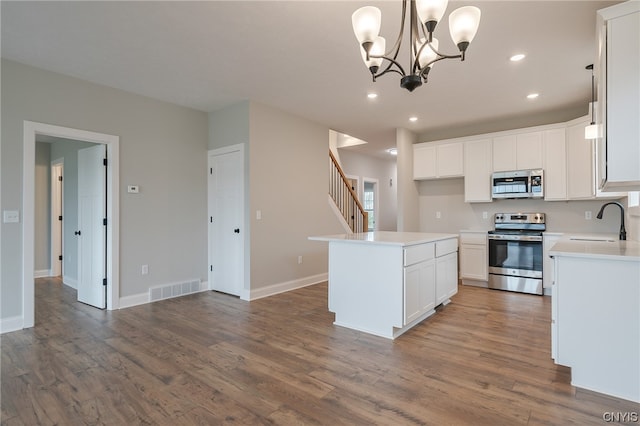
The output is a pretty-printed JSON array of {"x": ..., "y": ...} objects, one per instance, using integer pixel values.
[
  {"x": 384, "y": 170},
  {"x": 162, "y": 149},
  {"x": 447, "y": 197}
]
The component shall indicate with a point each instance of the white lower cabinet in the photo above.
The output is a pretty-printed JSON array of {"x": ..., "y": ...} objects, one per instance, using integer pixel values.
[
  {"x": 548, "y": 240},
  {"x": 447, "y": 273},
  {"x": 474, "y": 260},
  {"x": 430, "y": 277},
  {"x": 419, "y": 289}
]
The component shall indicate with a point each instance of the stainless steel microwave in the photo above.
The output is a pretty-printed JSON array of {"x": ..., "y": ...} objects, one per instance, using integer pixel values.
[{"x": 517, "y": 184}]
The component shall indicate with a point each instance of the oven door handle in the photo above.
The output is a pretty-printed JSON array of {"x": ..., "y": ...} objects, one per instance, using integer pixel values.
[{"x": 515, "y": 237}]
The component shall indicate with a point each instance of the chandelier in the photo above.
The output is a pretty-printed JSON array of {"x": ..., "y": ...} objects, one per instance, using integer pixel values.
[{"x": 423, "y": 47}]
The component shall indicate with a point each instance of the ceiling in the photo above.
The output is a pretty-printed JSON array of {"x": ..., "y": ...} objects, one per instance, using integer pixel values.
[{"x": 302, "y": 57}]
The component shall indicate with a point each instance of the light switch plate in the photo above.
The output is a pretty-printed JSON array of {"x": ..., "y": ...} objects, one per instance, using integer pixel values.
[
  {"x": 11, "y": 216},
  {"x": 133, "y": 189}
]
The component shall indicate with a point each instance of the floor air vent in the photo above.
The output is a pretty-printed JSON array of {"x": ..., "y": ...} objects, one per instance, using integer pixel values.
[{"x": 173, "y": 290}]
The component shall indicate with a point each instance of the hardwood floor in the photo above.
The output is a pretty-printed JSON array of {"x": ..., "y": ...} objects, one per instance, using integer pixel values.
[{"x": 211, "y": 359}]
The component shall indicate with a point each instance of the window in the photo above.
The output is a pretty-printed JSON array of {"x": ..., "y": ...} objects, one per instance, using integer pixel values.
[{"x": 369, "y": 203}]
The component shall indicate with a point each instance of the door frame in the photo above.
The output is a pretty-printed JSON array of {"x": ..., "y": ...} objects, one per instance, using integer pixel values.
[
  {"x": 245, "y": 290},
  {"x": 57, "y": 209},
  {"x": 112, "y": 142}
]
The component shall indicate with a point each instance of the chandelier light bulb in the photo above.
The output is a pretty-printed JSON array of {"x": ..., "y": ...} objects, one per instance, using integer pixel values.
[
  {"x": 377, "y": 49},
  {"x": 428, "y": 54},
  {"x": 463, "y": 25},
  {"x": 431, "y": 11},
  {"x": 366, "y": 23}
]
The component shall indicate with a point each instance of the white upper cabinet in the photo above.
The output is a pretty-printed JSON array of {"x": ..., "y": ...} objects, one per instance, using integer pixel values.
[
  {"x": 517, "y": 152},
  {"x": 618, "y": 68},
  {"x": 555, "y": 164},
  {"x": 580, "y": 181},
  {"x": 433, "y": 160},
  {"x": 477, "y": 171},
  {"x": 504, "y": 153},
  {"x": 424, "y": 162},
  {"x": 529, "y": 151}
]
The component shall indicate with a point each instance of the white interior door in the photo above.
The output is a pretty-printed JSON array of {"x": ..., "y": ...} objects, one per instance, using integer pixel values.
[
  {"x": 57, "y": 231},
  {"x": 226, "y": 220},
  {"x": 91, "y": 233}
]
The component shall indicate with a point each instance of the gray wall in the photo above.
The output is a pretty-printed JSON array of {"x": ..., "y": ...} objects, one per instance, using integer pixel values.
[
  {"x": 287, "y": 179},
  {"x": 289, "y": 183},
  {"x": 162, "y": 149},
  {"x": 42, "y": 204},
  {"x": 365, "y": 166},
  {"x": 408, "y": 209},
  {"x": 447, "y": 197}
]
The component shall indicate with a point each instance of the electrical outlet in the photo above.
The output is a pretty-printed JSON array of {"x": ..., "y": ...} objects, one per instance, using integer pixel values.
[
  {"x": 485, "y": 215},
  {"x": 299, "y": 260},
  {"x": 587, "y": 215},
  {"x": 438, "y": 215},
  {"x": 258, "y": 214},
  {"x": 145, "y": 269}
]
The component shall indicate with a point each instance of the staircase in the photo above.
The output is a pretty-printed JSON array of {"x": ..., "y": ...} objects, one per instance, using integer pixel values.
[{"x": 345, "y": 198}]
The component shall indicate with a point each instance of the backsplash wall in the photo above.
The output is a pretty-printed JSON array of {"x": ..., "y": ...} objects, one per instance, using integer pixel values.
[{"x": 447, "y": 197}]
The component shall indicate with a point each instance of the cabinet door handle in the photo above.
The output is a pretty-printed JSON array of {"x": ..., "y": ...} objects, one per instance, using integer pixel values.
[
  {"x": 78, "y": 233},
  {"x": 237, "y": 230}
]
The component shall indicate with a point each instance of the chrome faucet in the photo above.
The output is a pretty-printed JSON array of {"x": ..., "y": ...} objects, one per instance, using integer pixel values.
[{"x": 623, "y": 232}]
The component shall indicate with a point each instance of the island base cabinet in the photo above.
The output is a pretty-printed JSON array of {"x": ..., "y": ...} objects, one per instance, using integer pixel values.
[
  {"x": 597, "y": 324},
  {"x": 385, "y": 289},
  {"x": 365, "y": 287}
]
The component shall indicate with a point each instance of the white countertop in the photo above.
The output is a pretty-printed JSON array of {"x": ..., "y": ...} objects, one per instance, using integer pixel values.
[
  {"x": 603, "y": 249},
  {"x": 386, "y": 238}
]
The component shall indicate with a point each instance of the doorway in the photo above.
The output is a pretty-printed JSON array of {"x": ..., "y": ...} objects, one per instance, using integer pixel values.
[
  {"x": 111, "y": 142},
  {"x": 370, "y": 201}
]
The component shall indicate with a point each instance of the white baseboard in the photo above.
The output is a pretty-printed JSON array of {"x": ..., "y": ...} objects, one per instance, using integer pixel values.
[
  {"x": 70, "y": 282},
  {"x": 271, "y": 290},
  {"x": 8, "y": 325},
  {"x": 43, "y": 273},
  {"x": 134, "y": 300}
]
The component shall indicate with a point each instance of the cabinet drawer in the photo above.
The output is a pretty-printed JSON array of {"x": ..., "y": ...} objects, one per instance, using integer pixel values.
[
  {"x": 446, "y": 247},
  {"x": 473, "y": 238},
  {"x": 418, "y": 253}
]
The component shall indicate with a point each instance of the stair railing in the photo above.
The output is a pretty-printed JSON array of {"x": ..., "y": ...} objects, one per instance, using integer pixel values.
[{"x": 345, "y": 198}]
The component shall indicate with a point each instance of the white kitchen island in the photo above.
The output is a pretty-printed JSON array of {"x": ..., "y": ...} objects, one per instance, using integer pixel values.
[
  {"x": 595, "y": 314},
  {"x": 384, "y": 283}
]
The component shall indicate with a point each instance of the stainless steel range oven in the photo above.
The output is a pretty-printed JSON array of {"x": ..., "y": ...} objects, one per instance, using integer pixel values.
[{"x": 515, "y": 252}]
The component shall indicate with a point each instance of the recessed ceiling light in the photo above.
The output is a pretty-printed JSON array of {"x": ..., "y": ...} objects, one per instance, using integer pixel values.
[
  {"x": 413, "y": 119},
  {"x": 533, "y": 95},
  {"x": 372, "y": 95},
  {"x": 518, "y": 57},
  {"x": 393, "y": 151}
]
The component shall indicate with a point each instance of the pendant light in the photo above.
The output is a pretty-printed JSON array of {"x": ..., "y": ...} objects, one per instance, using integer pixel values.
[{"x": 591, "y": 131}]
